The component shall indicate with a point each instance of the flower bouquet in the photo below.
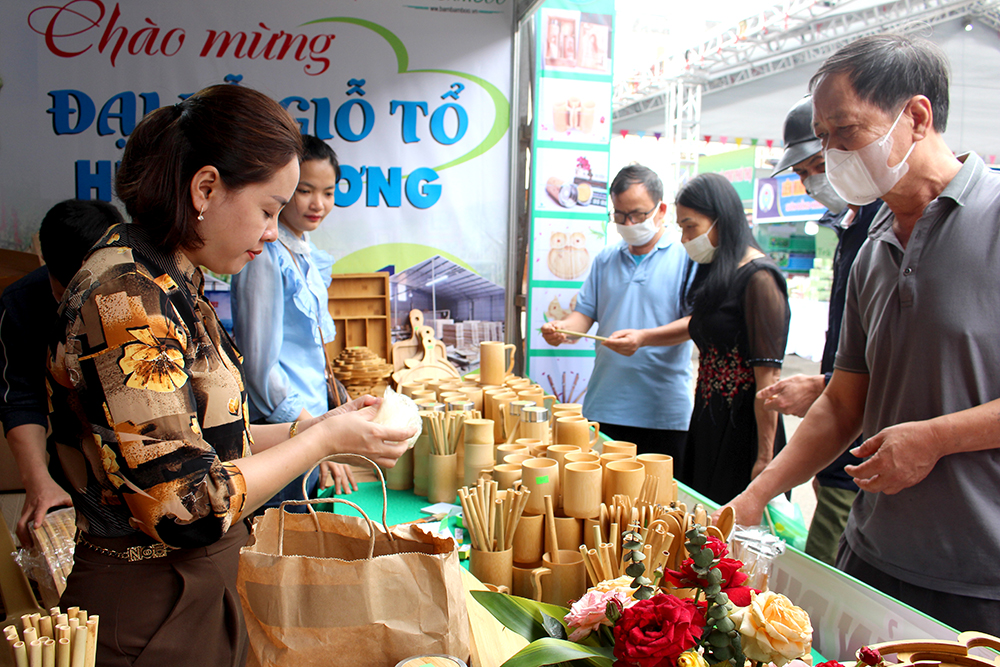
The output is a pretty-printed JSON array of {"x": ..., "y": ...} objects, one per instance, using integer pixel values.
[{"x": 631, "y": 622}]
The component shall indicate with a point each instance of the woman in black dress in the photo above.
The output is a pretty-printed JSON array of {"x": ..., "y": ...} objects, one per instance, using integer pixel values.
[{"x": 739, "y": 321}]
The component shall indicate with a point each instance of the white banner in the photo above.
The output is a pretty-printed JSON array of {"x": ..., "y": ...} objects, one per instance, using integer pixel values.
[{"x": 413, "y": 96}]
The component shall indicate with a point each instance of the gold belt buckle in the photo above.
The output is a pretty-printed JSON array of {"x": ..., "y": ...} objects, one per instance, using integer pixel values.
[{"x": 145, "y": 552}]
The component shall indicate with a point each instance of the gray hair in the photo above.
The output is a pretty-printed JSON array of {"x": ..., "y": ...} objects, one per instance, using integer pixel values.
[
  {"x": 638, "y": 174},
  {"x": 888, "y": 69}
]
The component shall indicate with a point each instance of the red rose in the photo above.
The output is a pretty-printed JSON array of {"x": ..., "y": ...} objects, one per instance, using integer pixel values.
[
  {"x": 830, "y": 663},
  {"x": 740, "y": 597},
  {"x": 654, "y": 632},
  {"x": 728, "y": 567},
  {"x": 869, "y": 656}
]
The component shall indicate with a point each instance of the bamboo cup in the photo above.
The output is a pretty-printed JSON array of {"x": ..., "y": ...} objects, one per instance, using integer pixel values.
[
  {"x": 558, "y": 453},
  {"x": 499, "y": 402},
  {"x": 517, "y": 457},
  {"x": 528, "y": 542},
  {"x": 512, "y": 448},
  {"x": 442, "y": 481},
  {"x": 661, "y": 467},
  {"x": 488, "y": 403},
  {"x": 407, "y": 388},
  {"x": 536, "y": 394},
  {"x": 479, "y": 431},
  {"x": 474, "y": 394},
  {"x": 625, "y": 478},
  {"x": 400, "y": 476},
  {"x": 421, "y": 453},
  {"x": 450, "y": 397},
  {"x": 535, "y": 446},
  {"x": 535, "y": 424},
  {"x": 517, "y": 383},
  {"x": 478, "y": 457},
  {"x": 541, "y": 477},
  {"x": 506, "y": 475},
  {"x": 568, "y": 578},
  {"x": 576, "y": 431},
  {"x": 420, "y": 394},
  {"x": 620, "y": 447},
  {"x": 569, "y": 532},
  {"x": 528, "y": 579},
  {"x": 493, "y": 567},
  {"x": 583, "y": 457},
  {"x": 582, "y": 489},
  {"x": 494, "y": 366},
  {"x": 567, "y": 410},
  {"x": 589, "y": 539}
]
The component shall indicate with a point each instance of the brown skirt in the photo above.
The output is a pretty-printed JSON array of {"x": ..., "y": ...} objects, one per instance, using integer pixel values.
[{"x": 182, "y": 609}]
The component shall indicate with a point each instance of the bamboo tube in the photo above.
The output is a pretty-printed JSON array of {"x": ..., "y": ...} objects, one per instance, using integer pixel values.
[
  {"x": 550, "y": 526},
  {"x": 62, "y": 632},
  {"x": 61, "y": 619},
  {"x": 73, "y": 625},
  {"x": 522, "y": 500},
  {"x": 471, "y": 520},
  {"x": 81, "y": 616},
  {"x": 25, "y": 622},
  {"x": 45, "y": 627},
  {"x": 90, "y": 660},
  {"x": 35, "y": 653},
  {"x": 468, "y": 520},
  {"x": 10, "y": 631},
  {"x": 49, "y": 652},
  {"x": 20, "y": 654},
  {"x": 30, "y": 634},
  {"x": 491, "y": 501},
  {"x": 71, "y": 612},
  {"x": 78, "y": 647},
  {"x": 54, "y": 611},
  {"x": 590, "y": 567},
  {"x": 610, "y": 571},
  {"x": 595, "y": 564},
  {"x": 62, "y": 652},
  {"x": 614, "y": 541}
]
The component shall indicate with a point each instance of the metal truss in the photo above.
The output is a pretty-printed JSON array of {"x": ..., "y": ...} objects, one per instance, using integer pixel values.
[{"x": 783, "y": 37}]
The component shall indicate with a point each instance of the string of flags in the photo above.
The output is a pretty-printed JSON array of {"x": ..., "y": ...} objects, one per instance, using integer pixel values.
[{"x": 739, "y": 141}]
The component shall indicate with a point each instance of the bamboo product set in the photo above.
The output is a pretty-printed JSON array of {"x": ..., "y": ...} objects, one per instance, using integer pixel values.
[
  {"x": 58, "y": 640},
  {"x": 491, "y": 518}
]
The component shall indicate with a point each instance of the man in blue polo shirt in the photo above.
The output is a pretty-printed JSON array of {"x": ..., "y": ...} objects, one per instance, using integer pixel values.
[{"x": 644, "y": 398}]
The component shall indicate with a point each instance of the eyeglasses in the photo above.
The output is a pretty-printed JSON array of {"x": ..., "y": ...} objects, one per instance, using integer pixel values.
[{"x": 635, "y": 217}]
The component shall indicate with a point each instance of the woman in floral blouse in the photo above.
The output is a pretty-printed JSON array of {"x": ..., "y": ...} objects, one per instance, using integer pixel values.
[
  {"x": 739, "y": 321},
  {"x": 148, "y": 394}
]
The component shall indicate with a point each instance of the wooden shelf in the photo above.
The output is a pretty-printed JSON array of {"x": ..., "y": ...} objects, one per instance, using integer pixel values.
[{"x": 359, "y": 305}]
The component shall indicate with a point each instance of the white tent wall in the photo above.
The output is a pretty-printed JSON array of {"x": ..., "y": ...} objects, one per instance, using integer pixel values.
[{"x": 757, "y": 109}]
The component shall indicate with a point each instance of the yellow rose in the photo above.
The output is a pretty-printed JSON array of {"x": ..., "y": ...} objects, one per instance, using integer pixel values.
[
  {"x": 690, "y": 659},
  {"x": 773, "y": 629},
  {"x": 623, "y": 584}
]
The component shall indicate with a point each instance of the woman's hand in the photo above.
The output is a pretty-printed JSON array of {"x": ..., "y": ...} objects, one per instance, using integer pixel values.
[
  {"x": 349, "y": 430},
  {"x": 338, "y": 475}
]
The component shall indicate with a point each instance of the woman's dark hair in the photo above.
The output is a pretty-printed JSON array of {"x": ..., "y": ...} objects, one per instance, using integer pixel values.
[
  {"x": 315, "y": 148},
  {"x": 69, "y": 230},
  {"x": 241, "y": 132},
  {"x": 715, "y": 197}
]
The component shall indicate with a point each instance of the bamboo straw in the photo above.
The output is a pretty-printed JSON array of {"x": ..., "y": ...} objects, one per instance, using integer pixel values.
[
  {"x": 550, "y": 525},
  {"x": 45, "y": 627},
  {"x": 49, "y": 652},
  {"x": 590, "y": 566},
  {"x": 615, "y": 541},
  {"x": 73, "y": 625},
  {"x": 90, "y": 660},
  {"x": 71, "y": 612},
  {"x": 29, "y": 634},
  {"x": 62, "y": 652},
  {"x": 62, "y": 632},
  {"x": 470, "y": 513},
  {"x": 501, "y": 528},
  {"x": 606, "y": 551},
  {"x": 34, "y": 653},
  {"x": 522, "y": 500},
  {"x": 61, "y": 619},
  {"x": 78, "y": 647},
  {"x": 20, "y": 654},
  {"x": 595, "y": 563}
]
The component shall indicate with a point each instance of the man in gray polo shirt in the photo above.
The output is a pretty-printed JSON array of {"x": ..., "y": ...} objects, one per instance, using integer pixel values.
[{"x": 918, "y": 367}]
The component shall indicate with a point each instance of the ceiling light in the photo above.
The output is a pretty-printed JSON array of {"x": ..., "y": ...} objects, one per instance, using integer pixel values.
[{"x": 967, "y": 24}]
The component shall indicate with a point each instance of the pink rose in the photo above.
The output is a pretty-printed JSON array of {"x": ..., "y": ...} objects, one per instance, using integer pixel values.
[{"x": 588, "y": 613}]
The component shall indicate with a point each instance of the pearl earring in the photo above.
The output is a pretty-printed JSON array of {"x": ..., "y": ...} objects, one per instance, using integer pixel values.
[{"x": 201, "y": 215}]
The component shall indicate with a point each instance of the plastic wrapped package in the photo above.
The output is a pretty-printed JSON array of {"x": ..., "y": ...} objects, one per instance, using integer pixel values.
[
  {"x": 50, "y": 560},
  {"x": 757, "y": 548}
]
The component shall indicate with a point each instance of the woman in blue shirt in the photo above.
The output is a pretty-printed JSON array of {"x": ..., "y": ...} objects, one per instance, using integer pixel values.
[{"x": 280, "y": 315}]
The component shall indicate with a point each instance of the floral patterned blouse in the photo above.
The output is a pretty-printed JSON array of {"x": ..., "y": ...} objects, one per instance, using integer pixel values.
[{"x": 148, "y": 399}]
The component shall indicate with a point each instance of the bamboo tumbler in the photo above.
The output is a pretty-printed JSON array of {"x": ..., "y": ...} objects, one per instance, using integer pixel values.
[
  {"x": 558, "y": 453},
  {"x": 576, "y": 431},
  {"x": 407, "y": 388},
  {"x": 535, "y": 446},
  {"x": 421, "y": 454},
  {"x": 493, "y": 365},
  {"x": 535, "y": 424},
  {"x": 528, "y": 541},
  {"x": 583, "y": 457},
  {"x": 568, "y": 578},
  {"x": 488, "y": 402},
  {"x": 474, "y": 394},
  {"x": 625, "y": 478},
  {"x": 564, "y": 410},
  {"x": 619, "y": 447},
  {"x": 661, "y": 467},
  {"x": 493, "y": 567},
  {"x": 420, "y": 394},
  {"x": 582, "y": 490},
  {"x": 478, "y": 457},
  {"x": 569, "y": 531},
  {"x": 506, "y": 474},
  {"x": 541, "y": 477},
  {"x": 589, "y": 539},
  {"x": 479, "y": 431},
  {"x": 442, "y": 481},
  {"x": 528, "y": 580},
  {"x": 513, "y": 448},
  {"x": 516, "y": 458},
  {"x": 400, "y": 476}
]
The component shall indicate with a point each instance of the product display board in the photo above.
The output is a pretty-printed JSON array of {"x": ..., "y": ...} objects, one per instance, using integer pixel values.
[
  {"x": 414, "y": 97},
  {"x": 569, "y": 189}
]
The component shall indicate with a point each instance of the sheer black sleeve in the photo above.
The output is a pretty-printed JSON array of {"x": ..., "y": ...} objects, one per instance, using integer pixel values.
[{"x": 765, "y": 306}]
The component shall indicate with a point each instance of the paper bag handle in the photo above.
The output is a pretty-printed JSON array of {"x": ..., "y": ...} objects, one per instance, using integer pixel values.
[
  {"x": 337, "y": 457},
  {"x": 310, "y": 503}
]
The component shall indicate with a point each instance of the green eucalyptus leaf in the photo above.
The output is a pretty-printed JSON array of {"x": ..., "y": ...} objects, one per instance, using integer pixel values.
[
  {"x": 635, "y": 569},
  {"x": 717, "y": 612},
  {"x": 722, "y": 653},
  {"x": 725, "y": 625},
  {"x": 713, "y": 590},
  {"x": 718, "y": 639},
  {"x": 704, "y": 558},
  {"x": 549, "y": 651},
  {"x": 714, "y": 576},
  {"x": 553, "y": 627}
]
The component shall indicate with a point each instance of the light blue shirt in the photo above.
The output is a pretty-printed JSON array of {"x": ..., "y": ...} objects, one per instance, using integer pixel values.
[
  {"x": 652, "y": 388},
  {"x": 278, "y": 307}
]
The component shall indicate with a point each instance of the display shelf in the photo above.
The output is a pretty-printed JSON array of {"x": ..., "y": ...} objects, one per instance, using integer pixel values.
[{"x": 359, "y": 305}]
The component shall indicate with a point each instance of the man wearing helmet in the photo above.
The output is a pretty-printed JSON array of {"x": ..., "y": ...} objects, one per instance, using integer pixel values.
[{"x": 835, "y": 489}]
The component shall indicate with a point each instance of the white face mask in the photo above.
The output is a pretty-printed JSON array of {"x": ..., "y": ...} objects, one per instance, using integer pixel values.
[
  {"x": 862, "y": 176},
  {"x": 818, "y": 187},
  {"x": 700, "y": 248},
  {"x": 640, "y": 234}
]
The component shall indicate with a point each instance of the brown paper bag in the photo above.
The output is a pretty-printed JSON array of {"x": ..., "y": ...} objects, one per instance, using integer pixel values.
[{"x": 322, "y": 589}]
